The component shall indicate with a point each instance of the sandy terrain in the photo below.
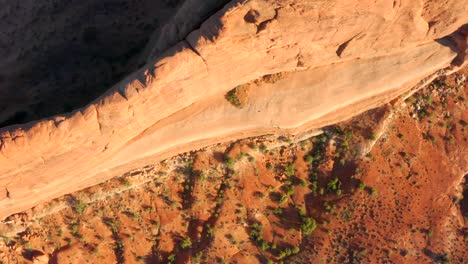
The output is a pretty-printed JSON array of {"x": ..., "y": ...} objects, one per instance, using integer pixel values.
[{"x": 365, "y": 191}]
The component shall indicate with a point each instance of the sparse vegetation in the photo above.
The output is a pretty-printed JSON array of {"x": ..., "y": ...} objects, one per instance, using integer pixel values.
[
  {"x": 79, "y": 207},
  {"x": 229, "y": 161},
  {"x": 263, "y": 148},
  {"x": 429, "y": 137},
  {"x": 171, "y": 258},
  {"x": 125, "y": 182},
  {"x": 308, "y": 225},
  {"x": 75, "y": 229},
  {"x": 334, "y": 185},
  {"x": 361, "y": 186},
  {"x": 233, "y": 98},
  {"x": 186, "y": 243},
  {"x": 289, "y": 170},
  {"x": 372, "y": 136},
  {"x": 288, "y": 252},
  {"x": 283, "y": 199},
  {"x": 268, "y": 204}
]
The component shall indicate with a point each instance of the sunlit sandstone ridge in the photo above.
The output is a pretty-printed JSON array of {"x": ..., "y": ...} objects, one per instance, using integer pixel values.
[{"x": 339, "y": 58}]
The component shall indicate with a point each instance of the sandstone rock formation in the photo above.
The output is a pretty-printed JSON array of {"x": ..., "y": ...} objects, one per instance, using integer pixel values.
[{"x": 339, "y": 58}]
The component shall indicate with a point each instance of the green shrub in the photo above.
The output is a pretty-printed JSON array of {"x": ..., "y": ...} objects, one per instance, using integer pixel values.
[
  {"x": 229, "y": 161},
  {"x": 302, "y": 183},
  {"x": 361, "y": 186},
  {"x": 334, "y": 185},
  {"x": 308, "y": 225},
  {"x": 264, "y": 245},
  {"x": 171, "y": 258},
  {"x": 290, "y": 190},
  {"x": 80, "y": 207},
  {"x": 186, "y": 243},
  {"x": 74, "y": 229},
  {"x": 296, "y": 250},
  {"x": 209, "y": 231},
  {"x": 263, "y": 148},
  {"x": 283, "y": 199},
  {"x": 281, "y": 255},
  {"x": 233, "y": 98},
  {"x": 289, "y": 170},
  {"x": 278, "y": 211}
]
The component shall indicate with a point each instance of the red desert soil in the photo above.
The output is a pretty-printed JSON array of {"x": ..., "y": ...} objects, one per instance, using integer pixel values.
[{"x": 322, "y": 199}]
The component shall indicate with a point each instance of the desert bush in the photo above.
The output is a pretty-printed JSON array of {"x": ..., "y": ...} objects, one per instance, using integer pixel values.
[
  {"x": 334, "y": 185},
  {"x": 229, "y": 161},
  {"x": 308, "y": 225},
  {"x": 289, "y": 170},
  {"x": 362, "y": 186},
  {"x": 233, "y": 98},
  {"x": 79, "y": 207},
  {"x": 283, "y": 198},
  {"x": 186, "y": 243}
]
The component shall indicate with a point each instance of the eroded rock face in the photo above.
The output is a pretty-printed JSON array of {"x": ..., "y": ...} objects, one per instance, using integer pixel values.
[{"x": 389, "y": 45}]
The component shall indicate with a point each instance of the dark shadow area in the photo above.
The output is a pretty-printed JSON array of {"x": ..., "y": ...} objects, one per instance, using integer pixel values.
[
  {"x": 16, "y": 118},
  {"x": 54, "y": 257},
  {"x": 457, "y": 42},
  {"x": 29, "y": 254},
  {"x": 56, "y": 56},
  {"x": 114, "y": 227},
  {"x": 437, "y": 257},
  {"x": 464, "y": 200}
]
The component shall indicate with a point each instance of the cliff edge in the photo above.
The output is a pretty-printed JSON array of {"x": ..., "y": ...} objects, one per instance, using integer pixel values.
[{"x": 332, "y": 60}]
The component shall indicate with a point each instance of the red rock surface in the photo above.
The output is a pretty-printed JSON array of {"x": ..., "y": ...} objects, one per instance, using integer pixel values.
[
  {"x": 386, "y": 186},
  {"x": 390, "y": 45}
]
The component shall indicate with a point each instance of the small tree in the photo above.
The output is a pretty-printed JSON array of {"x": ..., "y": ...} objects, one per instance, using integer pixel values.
[
  {"x": 289, "y": 170},
  {"x": 186, "y": 243},
  {"x": 233, "y": 98},
  {"x": 308, "y": 225}
]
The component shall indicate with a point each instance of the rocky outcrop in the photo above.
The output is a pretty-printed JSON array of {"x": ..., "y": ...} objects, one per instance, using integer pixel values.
[
  {"x": 188, "y": 17},
  {"x": 341, "y": 57}
]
